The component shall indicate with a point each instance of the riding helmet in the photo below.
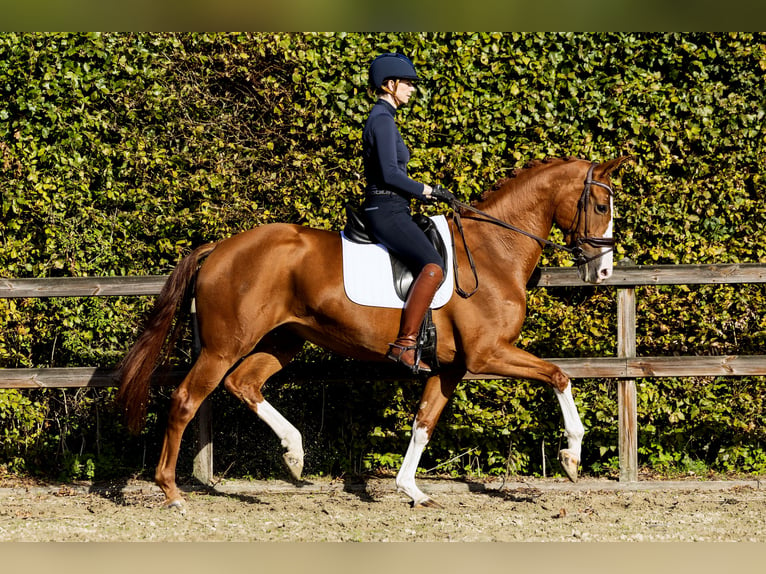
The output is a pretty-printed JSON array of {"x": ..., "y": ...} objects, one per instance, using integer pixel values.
[{"x": 392, "y": 66}]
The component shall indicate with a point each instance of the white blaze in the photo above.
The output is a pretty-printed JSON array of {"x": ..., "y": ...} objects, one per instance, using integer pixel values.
[
  {"x": 600, "y": 266},
  {"x": 607, "y": 259}
]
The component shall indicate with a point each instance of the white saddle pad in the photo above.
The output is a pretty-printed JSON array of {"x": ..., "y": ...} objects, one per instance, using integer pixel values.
[{"x": 367, "y": 275}]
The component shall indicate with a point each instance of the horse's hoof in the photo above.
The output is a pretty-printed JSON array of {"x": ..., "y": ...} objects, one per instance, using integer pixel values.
[
  {"x": 427, "y": 503},
  {"x": 569, "y": 463},
  {"x": 177, "y": 505},
  {"x": 294, "y": 465}
]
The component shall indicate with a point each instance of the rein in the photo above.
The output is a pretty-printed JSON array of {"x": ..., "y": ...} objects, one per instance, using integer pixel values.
[{"x": 576, "y": 251}]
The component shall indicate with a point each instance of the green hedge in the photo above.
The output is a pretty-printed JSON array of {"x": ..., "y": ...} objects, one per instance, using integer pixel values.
[{"x": 121, "y": 152}]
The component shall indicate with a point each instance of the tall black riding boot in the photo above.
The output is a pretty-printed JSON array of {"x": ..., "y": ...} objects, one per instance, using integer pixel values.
[{"x": 405, "y": 349}]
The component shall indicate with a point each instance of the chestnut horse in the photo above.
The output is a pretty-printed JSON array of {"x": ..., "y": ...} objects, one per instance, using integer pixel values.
[{"x": 262, "y": 293}]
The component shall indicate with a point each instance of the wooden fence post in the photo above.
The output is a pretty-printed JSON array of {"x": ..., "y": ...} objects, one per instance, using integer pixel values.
[
  {"x": 626, "y": 388},
  {"x": 202, "y": 468},
  {"x": 203, "y": 458}
]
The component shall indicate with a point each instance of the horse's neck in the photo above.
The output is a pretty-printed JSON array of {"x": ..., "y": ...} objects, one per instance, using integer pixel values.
[
  {"x": 523, "y": 205},
  {"x": 526, "y": 208}
]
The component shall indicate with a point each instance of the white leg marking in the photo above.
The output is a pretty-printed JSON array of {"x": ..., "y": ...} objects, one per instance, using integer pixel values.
[
  {"x": 405, "y": 478},
  {"x": 572, "y": 425},
  {"x": 289, "y": 436}
]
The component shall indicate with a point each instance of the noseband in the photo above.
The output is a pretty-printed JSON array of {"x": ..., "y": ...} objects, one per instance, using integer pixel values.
[{"x": 576, "y": 250}]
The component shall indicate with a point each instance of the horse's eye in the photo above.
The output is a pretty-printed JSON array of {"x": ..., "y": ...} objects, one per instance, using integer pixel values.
[{"x": 602, "y": 208}]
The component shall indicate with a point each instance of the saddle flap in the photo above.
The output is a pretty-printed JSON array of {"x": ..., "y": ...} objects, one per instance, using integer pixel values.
[{"x": 356, "y": 227}]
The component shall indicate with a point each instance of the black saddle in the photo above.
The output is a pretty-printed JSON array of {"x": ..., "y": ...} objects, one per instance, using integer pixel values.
[{"x": 356, "y": 230}]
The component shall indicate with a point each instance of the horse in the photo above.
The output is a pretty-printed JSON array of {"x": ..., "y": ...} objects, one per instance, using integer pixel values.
[{"x": 262, "y": 293}]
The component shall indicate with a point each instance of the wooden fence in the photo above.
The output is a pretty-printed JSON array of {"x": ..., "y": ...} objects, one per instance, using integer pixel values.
[{"x": 626, "y": 367}]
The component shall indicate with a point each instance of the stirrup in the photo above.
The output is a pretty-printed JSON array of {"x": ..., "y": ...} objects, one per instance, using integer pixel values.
[{"x": 416, "y": 368}]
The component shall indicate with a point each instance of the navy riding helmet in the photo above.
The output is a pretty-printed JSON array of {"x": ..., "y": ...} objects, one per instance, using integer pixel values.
[{"x": 391, "y": 66}]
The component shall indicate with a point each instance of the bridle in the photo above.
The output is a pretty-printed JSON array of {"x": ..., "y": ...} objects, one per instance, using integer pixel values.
[
  {"x": 583, "y": 212},
  {"x": 575, "y": 250}
]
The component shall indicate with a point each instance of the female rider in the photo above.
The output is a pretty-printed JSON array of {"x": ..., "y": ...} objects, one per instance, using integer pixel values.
[{"x": 387, "y": 201}]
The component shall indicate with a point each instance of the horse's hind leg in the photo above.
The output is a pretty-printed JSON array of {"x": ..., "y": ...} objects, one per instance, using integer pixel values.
[
  {"x": 246, "y": 381},
  {"x": 204, "y": 376}
]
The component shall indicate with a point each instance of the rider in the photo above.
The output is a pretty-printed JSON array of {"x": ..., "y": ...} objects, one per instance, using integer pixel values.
[{"x": 387, "y": 201}]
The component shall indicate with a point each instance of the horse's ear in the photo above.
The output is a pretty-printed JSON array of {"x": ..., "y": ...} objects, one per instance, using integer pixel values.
[{"x": 608, "y": 167}]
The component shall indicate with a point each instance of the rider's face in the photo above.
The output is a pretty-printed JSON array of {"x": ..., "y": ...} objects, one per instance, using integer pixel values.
[{"x": 404, "y": 90}]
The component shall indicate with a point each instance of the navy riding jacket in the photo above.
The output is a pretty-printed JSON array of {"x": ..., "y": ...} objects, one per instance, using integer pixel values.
[{"x": 385, "y": 154}]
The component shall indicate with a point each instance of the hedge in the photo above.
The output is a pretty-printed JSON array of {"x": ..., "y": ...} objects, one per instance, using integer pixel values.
[{"x": 121, "y": 152}]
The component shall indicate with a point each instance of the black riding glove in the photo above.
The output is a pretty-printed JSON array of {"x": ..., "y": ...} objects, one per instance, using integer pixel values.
[{"x": 438, "y": 193}]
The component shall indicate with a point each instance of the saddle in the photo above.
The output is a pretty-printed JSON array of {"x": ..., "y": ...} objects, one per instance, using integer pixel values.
[{"x": 356, "y": 230}]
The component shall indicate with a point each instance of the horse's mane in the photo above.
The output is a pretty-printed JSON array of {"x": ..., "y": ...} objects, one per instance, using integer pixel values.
[{"x": 531, "y": 166}]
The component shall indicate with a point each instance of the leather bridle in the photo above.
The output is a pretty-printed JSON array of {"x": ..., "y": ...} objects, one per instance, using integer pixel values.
[
  {"x": 584, "y": 213},
  {"x": 576, "y": 249}
]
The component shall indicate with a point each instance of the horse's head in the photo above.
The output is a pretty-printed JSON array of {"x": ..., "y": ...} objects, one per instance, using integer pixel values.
[{"x": 590, "y": 228}]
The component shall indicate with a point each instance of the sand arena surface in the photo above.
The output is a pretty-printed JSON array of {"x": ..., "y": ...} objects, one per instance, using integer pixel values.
[{"x": 323, "y": 510}]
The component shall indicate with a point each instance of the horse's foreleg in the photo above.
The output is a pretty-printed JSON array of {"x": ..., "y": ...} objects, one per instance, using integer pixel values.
[
  {"x": 515, "y": 362},
  {"x": 570, "y": 457},
  {"x": 246, "y": 381},
  {"x": 437, "y": 393},
  {"x": 198, "y": 383}
]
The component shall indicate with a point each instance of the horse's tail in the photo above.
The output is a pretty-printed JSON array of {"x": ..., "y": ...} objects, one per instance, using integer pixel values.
[{"x": 135, "y": 370}]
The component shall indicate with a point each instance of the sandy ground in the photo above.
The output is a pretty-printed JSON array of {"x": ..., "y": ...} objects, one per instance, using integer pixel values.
[{"x": 322, "y": 510}]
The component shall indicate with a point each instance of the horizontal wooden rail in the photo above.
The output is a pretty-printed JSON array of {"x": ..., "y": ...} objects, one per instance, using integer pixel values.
[
  {"x": 72, "y": 377},
  {"x": 82, "y": 286},
  {"x": 623, "y": 276},
  {"x": 636, "y": 275},
  {"x": 576, "y": 368}
]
